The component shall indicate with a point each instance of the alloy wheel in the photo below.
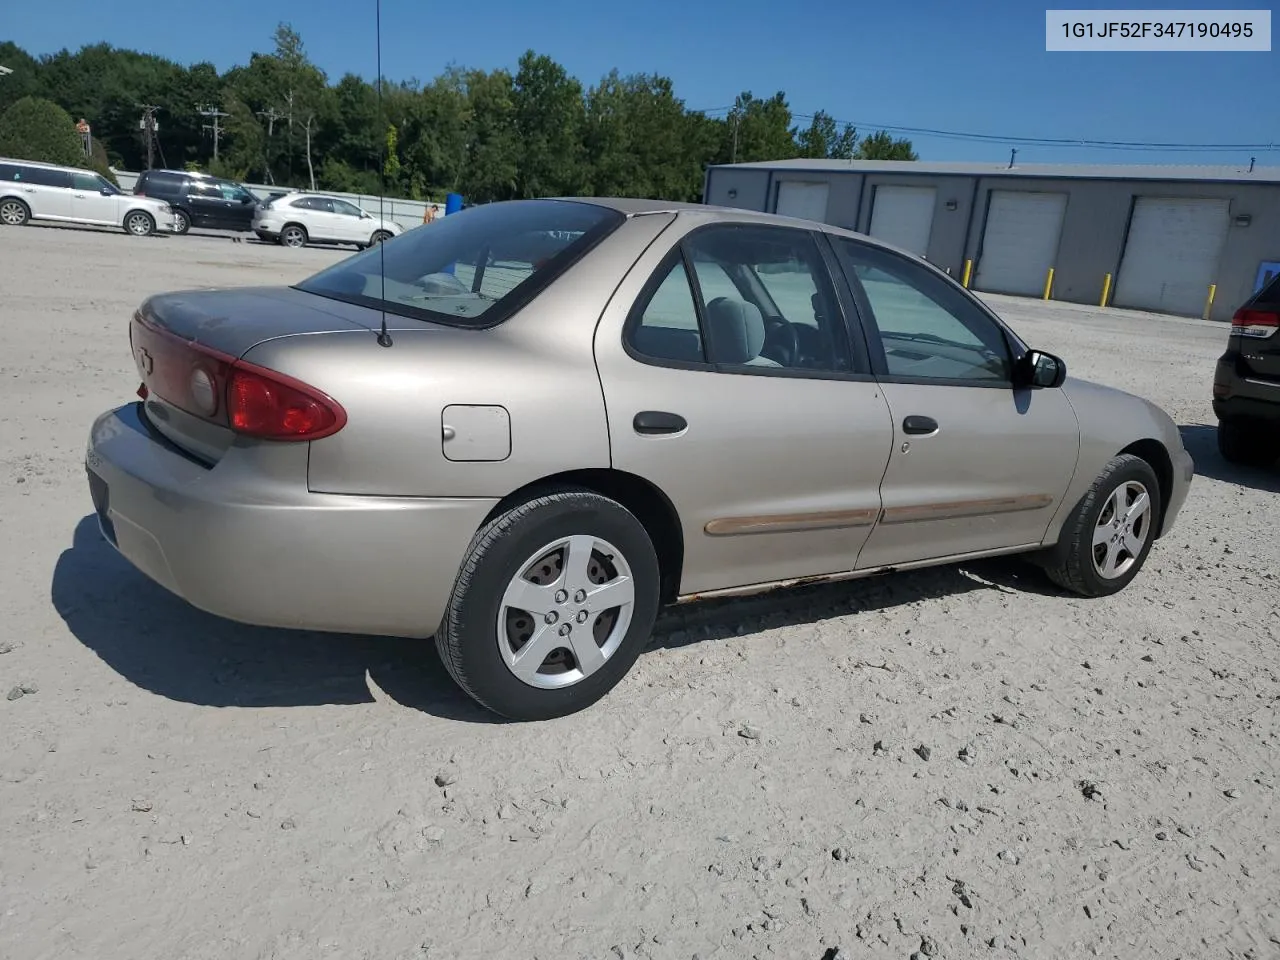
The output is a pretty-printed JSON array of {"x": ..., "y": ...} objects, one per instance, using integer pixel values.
[
  {"x": 565, "y": 612},
  {"x": 1122, "y": 530},
  {"x": 13, "y": 213}
]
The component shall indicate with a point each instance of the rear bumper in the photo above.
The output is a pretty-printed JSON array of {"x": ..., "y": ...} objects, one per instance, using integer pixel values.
[
  {"x": 1240, "y": 397},
  {"x": 243, "y": 545}
]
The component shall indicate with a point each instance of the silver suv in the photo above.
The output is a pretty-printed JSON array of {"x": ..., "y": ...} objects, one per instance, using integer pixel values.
[{"x": 46, "y": 191}]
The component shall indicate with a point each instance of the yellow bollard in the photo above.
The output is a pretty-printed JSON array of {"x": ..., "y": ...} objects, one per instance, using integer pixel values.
[
  {"x": 1208, "y": 304},
  {"x": 968, "y": 272},
  {"x": 1048, "y": 284},
  {"x": 1106, "y": 290}
]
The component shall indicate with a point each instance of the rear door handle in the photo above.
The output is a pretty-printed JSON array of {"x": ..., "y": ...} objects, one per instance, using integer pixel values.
[
  {"x": 918, "y": 424},
  {"x": 651, "y": 422}
]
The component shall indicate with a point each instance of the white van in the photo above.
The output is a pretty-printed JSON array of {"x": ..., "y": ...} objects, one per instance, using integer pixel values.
[{"x": 45, "y": 191}]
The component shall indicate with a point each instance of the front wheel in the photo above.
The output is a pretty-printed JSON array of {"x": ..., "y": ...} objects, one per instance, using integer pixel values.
[
  {"x": 1107, "y": 537},
  {"x": 139, "y": 224},
  {"x": 553, "y": 604},
  {"x": 379, "y": 236},
  {"x": 1245, "y": 443}
]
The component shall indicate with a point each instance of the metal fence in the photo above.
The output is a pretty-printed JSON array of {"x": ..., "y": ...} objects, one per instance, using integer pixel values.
[{"x": 407, "y": 213}]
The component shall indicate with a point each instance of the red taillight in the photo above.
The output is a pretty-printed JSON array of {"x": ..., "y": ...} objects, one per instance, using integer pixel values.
[
  {"x": 1255, "y": 323},
  {"x": 266, "y": 405},
  {"x": 249, "y": 399}
]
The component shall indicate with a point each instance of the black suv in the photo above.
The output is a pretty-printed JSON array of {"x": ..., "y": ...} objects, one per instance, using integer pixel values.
[
  {"x": 1246, "y": 384},
  {"x": 200, "y": 200}
]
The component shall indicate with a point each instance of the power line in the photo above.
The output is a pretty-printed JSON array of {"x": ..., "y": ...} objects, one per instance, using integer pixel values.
[
  {"x": 1047, "y": 141},
  {"x": 1125, "y": 145}
]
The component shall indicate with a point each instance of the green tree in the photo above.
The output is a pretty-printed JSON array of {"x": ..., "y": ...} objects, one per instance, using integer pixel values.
[
  {"x": 391, "y": 168},
  {"x": 638, "y": 140},
  {"x": 24, "y": 81},
  {"x": 547, "y": 108},
  {"x": 822, "y": 140},
  {"x": 882, "y": 146},
  {"x": 36, "y": 129},
  {"x": 757, "y": 130},
  {"x": 491, "y": 167},
  {"x": 492, "y": 135}
]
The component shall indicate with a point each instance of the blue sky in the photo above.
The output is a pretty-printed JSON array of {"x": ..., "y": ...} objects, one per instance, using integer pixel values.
[{"x": 932, "y": 63}]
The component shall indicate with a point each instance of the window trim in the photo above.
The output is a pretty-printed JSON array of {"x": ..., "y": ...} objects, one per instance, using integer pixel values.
[
  {"x": 679, "y": 251},
  {"x": 1014, "y": 348},
  {"x": 635, "y": 315}
]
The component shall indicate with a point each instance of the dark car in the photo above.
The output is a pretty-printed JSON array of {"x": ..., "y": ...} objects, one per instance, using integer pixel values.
[
  {"x": 200, "y": 200},
  {"x": 1246, "y": 384}
]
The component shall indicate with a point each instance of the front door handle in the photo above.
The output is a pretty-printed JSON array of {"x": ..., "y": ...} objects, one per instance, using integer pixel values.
[
  {"x": 918, "y": 424},
  {"x": 649, "y": 422}
]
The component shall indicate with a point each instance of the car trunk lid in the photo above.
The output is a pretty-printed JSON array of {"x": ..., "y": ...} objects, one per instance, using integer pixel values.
[{"x": 185, "y": 345}]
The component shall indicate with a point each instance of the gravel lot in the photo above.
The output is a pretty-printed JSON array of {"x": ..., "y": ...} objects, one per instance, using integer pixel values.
[{"x": 954, "y": 763}]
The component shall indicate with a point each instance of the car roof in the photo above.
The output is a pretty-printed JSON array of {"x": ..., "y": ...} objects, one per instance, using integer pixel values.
[
  {"x": 638, "y": 207},
  {"x": 41, "y": 163}
]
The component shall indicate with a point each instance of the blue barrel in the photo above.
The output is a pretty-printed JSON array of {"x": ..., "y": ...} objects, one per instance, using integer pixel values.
[{"x": 452, "y": 203}]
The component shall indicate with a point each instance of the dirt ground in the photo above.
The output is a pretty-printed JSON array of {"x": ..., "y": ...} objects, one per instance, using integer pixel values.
[{"x": 954, "y": 763}]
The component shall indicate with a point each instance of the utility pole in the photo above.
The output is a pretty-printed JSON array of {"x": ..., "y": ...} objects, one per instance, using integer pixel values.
[
  {"x": 216, "y": 115},
  {"x": 148, "y": 125}
]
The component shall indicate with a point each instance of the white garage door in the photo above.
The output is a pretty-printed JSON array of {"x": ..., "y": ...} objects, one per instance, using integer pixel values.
[
  {"x": 799, "y": 198},
  {"x": 1020, "y": 241},
  {"x": 903, "y": 216},
  {"x": 1171, "y": 255}
]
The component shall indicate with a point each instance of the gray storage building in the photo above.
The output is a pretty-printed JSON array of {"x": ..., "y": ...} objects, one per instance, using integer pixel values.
[{"x": 1164, "y": 234}]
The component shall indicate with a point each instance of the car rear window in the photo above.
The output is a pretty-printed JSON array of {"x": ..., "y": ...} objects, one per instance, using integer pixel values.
[
  {"x": 1269, "y": 296},
  {"x": 474, "y": 268}
]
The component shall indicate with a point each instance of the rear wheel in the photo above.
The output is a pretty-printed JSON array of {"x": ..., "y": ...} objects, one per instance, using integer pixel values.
[
  {"x": 555, "y": 601},
  {"x": 294, "y": 235},
  {"x": 139, "y": 223},
  {"x": 1245, "y": 443},
  {"x": 1107, "y": 537},
  {"x": 181, "y": 221},
  {"x": 14, "y": 213}
]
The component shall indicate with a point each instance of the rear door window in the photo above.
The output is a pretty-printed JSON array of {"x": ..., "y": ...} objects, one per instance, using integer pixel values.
[{"x": 48, "y": 177}]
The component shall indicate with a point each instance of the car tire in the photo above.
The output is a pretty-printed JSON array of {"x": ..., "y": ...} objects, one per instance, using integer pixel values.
[
  {"x": 379, "y": 236},
  {"x": 13, "y": 212},
  {"x": 139, "y": 223},
  {"x": 181, "y": 222},
  {"x": 534, "y": 553},
  {"x": 293, "y": 235},
  {"x": 1245, "y": 443},
  {"x": 1108, "y": 534}
]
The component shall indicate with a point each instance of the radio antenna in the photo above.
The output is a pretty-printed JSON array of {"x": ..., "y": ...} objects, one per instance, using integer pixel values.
[{"x": 384, "y": 338}]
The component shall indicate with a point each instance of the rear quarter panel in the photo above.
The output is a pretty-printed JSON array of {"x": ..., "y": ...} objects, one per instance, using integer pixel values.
[{"x": 538, "y": 366}]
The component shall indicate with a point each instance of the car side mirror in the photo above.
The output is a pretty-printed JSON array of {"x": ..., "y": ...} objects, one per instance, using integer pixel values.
[
  {"x": 365, "y": 215},
  {"x": 106, "y": 191},
  {"x": 1038, "y": 370}
]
